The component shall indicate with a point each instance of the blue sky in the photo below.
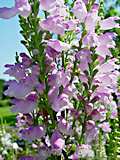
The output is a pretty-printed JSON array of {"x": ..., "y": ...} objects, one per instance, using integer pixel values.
[{"x": 9, "y": 39}]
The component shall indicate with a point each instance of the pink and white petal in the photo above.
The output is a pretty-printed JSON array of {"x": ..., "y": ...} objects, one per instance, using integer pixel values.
[
  {"x": 25, "y": 10},
  {"x": 109, "y": 23},
  {"x": 103, "y": 51},
  {"x": 47, "y": 4}
]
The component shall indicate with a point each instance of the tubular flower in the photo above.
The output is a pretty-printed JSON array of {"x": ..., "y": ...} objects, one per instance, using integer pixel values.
[{"x": 22, "y": 7}]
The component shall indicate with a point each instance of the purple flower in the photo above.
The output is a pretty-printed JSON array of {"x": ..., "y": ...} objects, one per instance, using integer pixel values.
[
  {"x": 47, "y": 4},
  {"x": 89, "y": 108},
  {"x": 75, "y": 113},
  {"x": 79, "y": 10},
  {"x": 91, "y": 19},
  {"x": 109, "y": 23},
  {"x": 70, "y": 24},
  {"x": 17, "y": 71},
  {"x": 114, "y": 113},
  {"x": 107, "y": 67},
  {"x": 90, "y": 124},
  {"x": 74, "y": 156},
  {"x": 57, "y": 142},
  {"x": 64, "y": 127},
  {"x": 104, "y": 43},
  {"x": 61, "y": 103},
  {"x": 107, "y": 39},
  {"x": 84, "y": 57},
  {"x": 103, "y": 51},
  {"x": 33, "y": 133},
  {"x": 58, "y": 45},
  {"x": 53, "y": 24},
  {"x": 85, "y": 1},
  {"x": 52, "y": 53},
  {"x": 26, "y": 61},
  {"x": 40, "y": 88},
  {"x": 60, "y": 78},
  {"x": 106, "y": 78},
  {"x": 99, "y": 114},
  {"x": 27, "y": 105},
  {"x": 60, "y": 9},
  {"x": 18, "y": 90},
  {"x": 54, "y": 7},
  {"x": 22, "y": 7},
  {"x": 105, "y": 127},
  {"x": 83, "y": 78},
  {"x": 26, "y": 75},
  {"x": 63, "y": 78},
  {"x": 102, "y": 93},
  {"x": 24, "y": 71},
  {"x": 7, "y": 13},
  {"x": 113, "y": 109},
  {"x": 53, "y": 93},
  {"x": 91, "y": 132},
  {"x": 90, "y": 40},
  {"x": 70, "y": 90},
  {"x": 35, "y": 70}
]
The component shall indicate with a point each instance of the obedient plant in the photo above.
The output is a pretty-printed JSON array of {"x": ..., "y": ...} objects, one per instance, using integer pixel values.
[{"x": 63, "y": 88}]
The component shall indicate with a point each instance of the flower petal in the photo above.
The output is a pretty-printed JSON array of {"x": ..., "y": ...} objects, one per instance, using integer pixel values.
[{"x": 7, "y": 13}]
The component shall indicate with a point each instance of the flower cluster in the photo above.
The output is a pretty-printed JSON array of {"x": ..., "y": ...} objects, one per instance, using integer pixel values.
[
  {"x": 22, "y": 7},
  {"x": 25, "y": 88},
  {"x": 65, "y": 104}
]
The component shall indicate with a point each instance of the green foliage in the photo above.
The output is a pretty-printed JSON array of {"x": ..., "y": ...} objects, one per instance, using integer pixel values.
[
  {"x": 113, "y": 145},
  {"x": 1, "y": 87},
  {"x": 7, "y": 116}
]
